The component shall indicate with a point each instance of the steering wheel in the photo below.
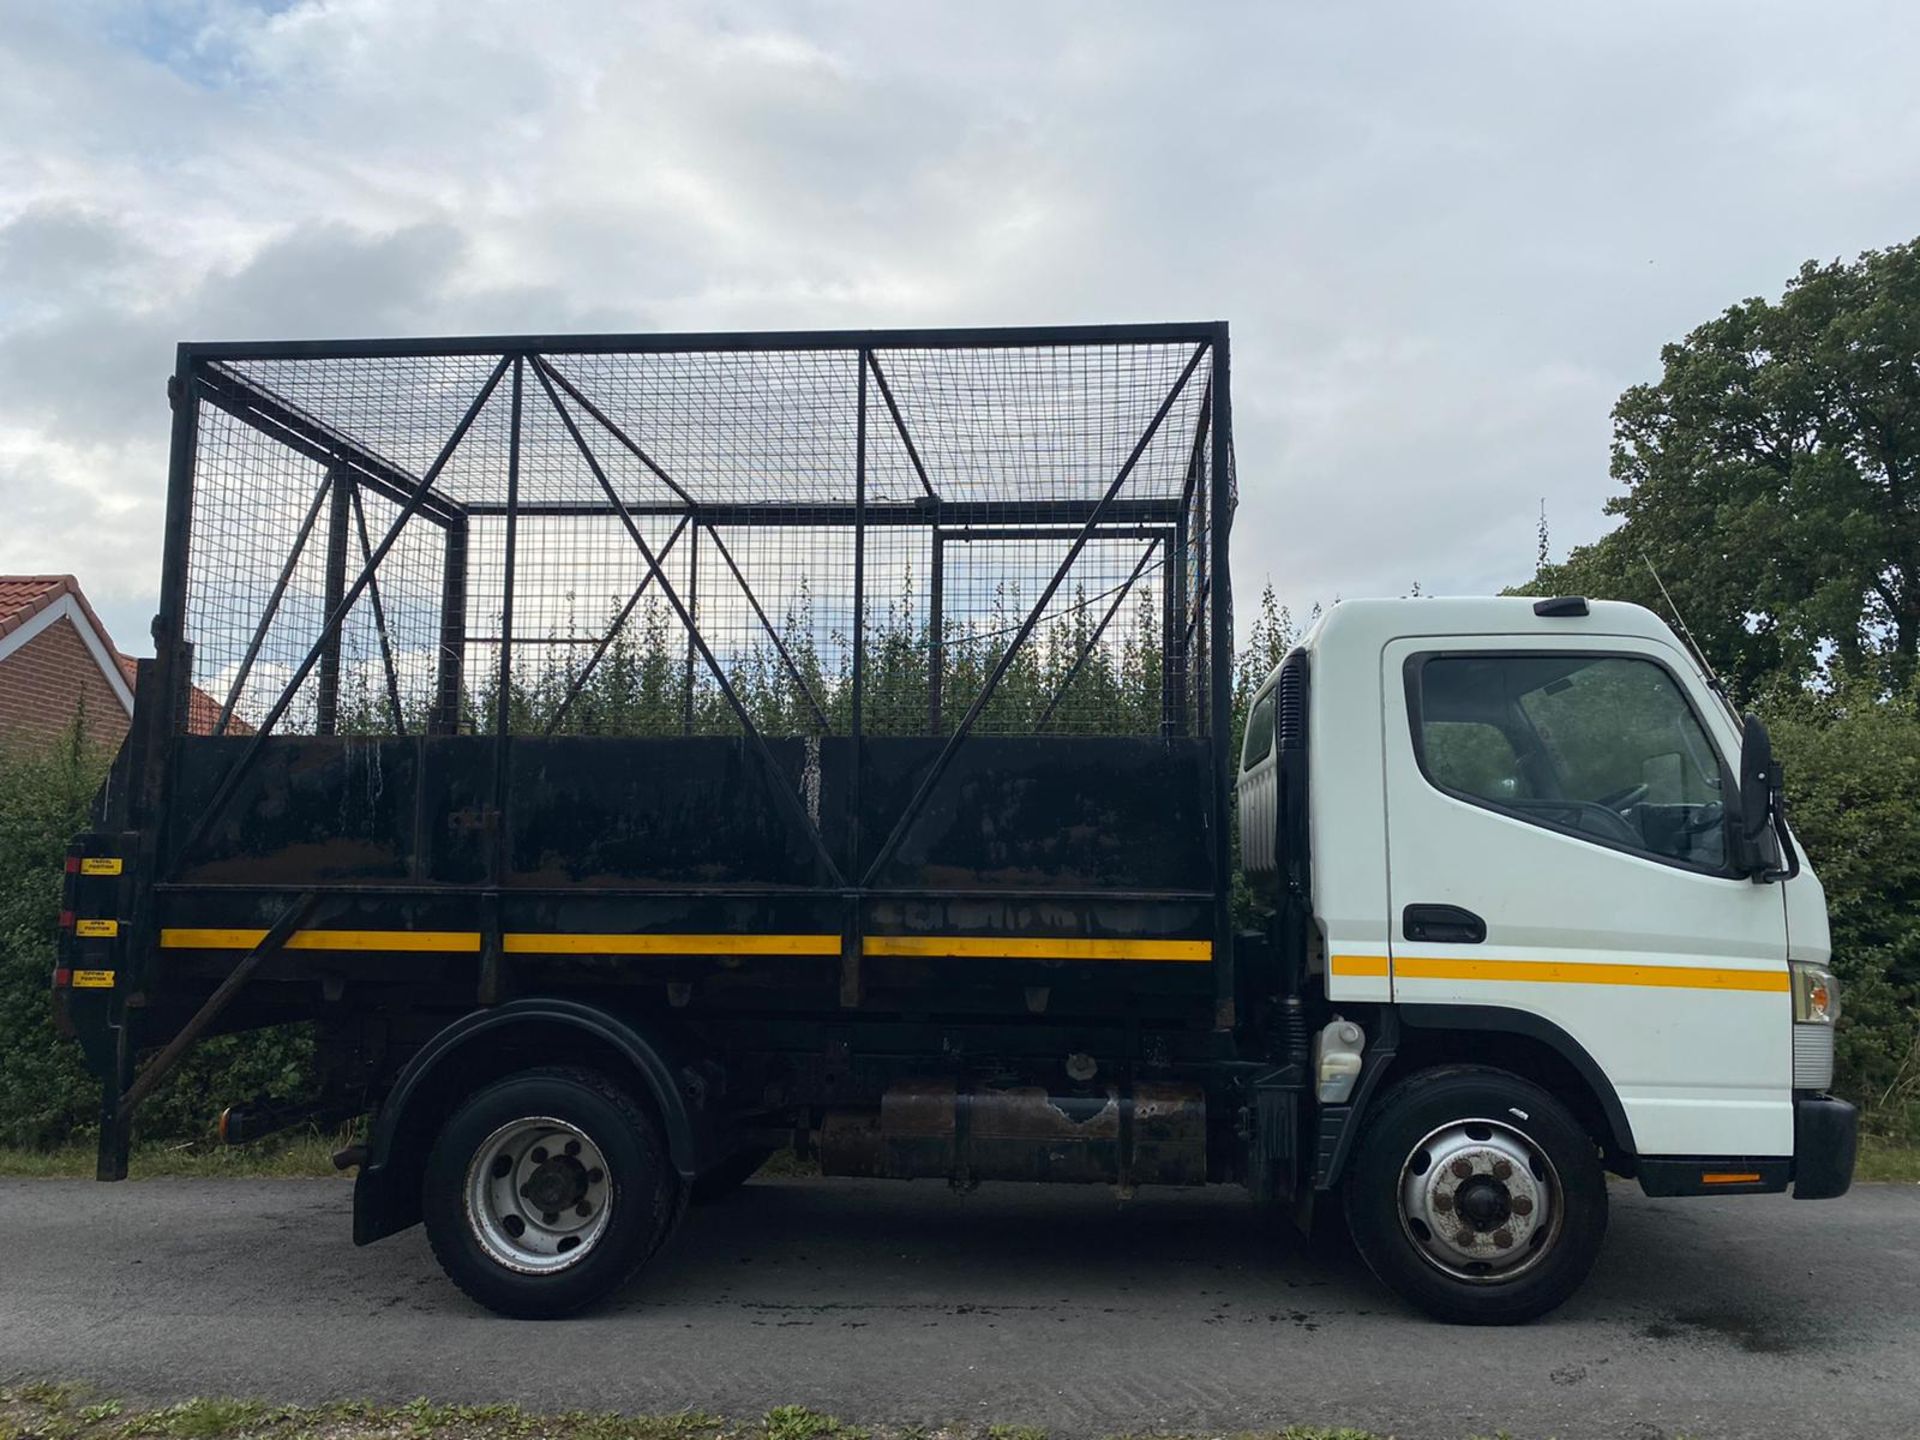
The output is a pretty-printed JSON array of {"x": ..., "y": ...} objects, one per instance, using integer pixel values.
[
  {"x": 1623, "y": 799},
  {"x": 1709, "y": 817}
]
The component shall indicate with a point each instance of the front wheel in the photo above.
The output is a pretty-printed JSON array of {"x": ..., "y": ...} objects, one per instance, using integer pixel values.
[
  {"x": 546, "y": 1191},
  {"x": 1477, "y": 1196}
]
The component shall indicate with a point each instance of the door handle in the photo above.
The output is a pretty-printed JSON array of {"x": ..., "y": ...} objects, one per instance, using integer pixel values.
[{"x": 1442, "y": 925}]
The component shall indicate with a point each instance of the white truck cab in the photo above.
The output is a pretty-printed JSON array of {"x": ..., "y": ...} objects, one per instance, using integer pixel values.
[{"x": 1537, "y": 829}]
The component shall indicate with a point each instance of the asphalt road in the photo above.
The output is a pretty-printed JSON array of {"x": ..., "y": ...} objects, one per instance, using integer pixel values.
[{"x": 1046, "y": 1306}]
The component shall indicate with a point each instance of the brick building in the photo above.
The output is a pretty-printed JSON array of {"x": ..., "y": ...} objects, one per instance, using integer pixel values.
[{"x": 57, "y": 661}]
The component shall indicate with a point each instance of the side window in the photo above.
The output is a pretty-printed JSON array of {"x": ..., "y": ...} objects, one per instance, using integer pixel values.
[
  {"x": 1259, "y": 741},
  {"x": 1602, "y": 746},
  {"x": 1475, "y": 758}
]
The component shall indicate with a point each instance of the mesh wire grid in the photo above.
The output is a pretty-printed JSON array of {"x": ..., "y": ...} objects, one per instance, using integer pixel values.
[{"x": 740, "y": 470}]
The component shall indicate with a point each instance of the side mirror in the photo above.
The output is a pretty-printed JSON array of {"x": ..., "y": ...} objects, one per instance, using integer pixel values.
[{"x": 1760, "y": 836}]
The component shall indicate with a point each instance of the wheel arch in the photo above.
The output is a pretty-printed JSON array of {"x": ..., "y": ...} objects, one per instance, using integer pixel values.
[
  {"x": 490, "y": 1044},
  {"x": 1527, "y": 1045}
]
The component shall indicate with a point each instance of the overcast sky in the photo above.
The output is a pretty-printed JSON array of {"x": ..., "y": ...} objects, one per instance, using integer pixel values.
[{"x": 1446, "y": 234}]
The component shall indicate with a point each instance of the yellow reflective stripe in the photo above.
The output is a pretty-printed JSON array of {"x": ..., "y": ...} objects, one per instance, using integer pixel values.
[
  {"x": 466, "y": 941},
  {"x": 1371, "y": 966},
  {"x": 1588, "y": 972},
  {"x": 531, "y": 944},
  {"x": 528, "y": 943},
  {"x": 1024, "y": 948}
]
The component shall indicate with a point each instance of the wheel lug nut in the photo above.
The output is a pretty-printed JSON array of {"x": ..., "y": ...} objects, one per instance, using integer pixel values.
[
  {"x": 1462, "y": 1167},
  {"x": 573, "y": 1147},
  {"x": 1521, "y": 1205},
  {"x": 539, "y": 1155},
  {"x": 1503, "y": 1237},
  {"x": 583, "y": 1210},
  {"x": 594, "y": 1177},
  {"x": 1502, "y": 1169},
  {"x": 1443, "y": 1201},
  {"x": 549, "y": 1217},
  {"x": 1465, "y": 1239}
]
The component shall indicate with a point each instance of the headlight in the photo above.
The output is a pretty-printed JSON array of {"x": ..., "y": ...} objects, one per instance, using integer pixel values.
[{"x": 1816, "y": 994}]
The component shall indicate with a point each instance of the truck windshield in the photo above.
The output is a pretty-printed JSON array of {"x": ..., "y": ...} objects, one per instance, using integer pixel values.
[{"x": 1602, "y": 746}]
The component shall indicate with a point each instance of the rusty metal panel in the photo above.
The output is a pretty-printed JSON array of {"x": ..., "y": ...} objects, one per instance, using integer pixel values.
[{"x": 1155, "y": 1135}]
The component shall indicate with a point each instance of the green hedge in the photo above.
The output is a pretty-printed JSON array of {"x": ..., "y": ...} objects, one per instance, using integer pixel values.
[{"x": 47, "y": 1098}]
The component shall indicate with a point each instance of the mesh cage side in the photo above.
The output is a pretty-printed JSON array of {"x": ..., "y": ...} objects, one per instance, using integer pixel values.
[{"x": 754, "y": 483}]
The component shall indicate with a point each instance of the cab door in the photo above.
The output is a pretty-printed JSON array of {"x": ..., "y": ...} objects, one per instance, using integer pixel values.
[{"x": 1557, "y": 846}]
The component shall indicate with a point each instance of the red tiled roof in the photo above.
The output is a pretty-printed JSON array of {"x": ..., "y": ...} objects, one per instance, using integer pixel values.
[{"x": 24, "y": 596}]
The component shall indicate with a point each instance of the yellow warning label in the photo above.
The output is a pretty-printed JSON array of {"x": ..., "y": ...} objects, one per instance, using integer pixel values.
[
  {"x": 93, "y": 979},
  {"x": 100, "y": 865},
  {"x": 96, "y": 929}
]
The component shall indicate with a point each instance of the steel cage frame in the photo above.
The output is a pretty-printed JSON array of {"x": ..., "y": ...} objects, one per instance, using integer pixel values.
[{"x": 1198, "y": 605}]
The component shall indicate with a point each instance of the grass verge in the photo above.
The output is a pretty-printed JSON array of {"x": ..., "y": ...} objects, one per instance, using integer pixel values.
[
  {"x": 1888, "y": 1160},
  {"x": 294, "y": 1156},
  {"x": 39, "y": 1411}
]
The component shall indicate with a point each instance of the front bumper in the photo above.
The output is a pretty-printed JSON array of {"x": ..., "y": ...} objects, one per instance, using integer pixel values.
[{"x": 1826, "y": 1138}]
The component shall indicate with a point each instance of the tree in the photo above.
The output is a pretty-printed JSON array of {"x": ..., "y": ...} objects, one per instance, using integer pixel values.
[{"x": 1772, "y": 477}]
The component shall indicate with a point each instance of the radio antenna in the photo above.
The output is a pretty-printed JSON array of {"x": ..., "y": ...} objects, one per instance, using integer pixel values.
[{"x": 1680, "y": 624}]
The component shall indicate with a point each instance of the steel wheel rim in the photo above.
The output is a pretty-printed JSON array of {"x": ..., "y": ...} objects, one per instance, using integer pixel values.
[
  {"x": 1481, "y": 1201},
  {"x": 538, "y": 1195}
]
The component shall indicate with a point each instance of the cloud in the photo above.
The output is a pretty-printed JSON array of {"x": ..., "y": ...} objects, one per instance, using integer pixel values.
[{"x": 1447, "y": 237}]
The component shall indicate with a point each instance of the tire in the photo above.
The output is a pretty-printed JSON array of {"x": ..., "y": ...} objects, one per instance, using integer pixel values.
[
  {"x": 729, "y": 1175},
  {"x": 566, "y": 1138},
  {"x": 1507, "y": 1243}
]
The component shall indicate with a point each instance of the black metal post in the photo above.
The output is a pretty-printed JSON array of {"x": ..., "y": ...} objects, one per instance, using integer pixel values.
[
  {"x": 450, "y": 678},
  {"x": 503, "y": 695},
  {"x": 853, "y": 941},
  {"x": 1179, "y": 654},
  {"x": 170, "y": 621},
  {"x": 1220, "y": 676},
  {"x": 327, "y": 714},
  {"x": 857, "y": 719},
  {"x": 936, "y": 626},
  {"x": 494, "y": 980},
  {"x": 1173, "y": 589},
  {"x": 693, "y": 622},
  {"x": 159, "y": 705}
]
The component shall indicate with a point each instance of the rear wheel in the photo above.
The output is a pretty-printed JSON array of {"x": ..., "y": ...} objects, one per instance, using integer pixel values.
[
  {"x": 1477, "y": 1196},
  {"x": 547, "y": 1190}
]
